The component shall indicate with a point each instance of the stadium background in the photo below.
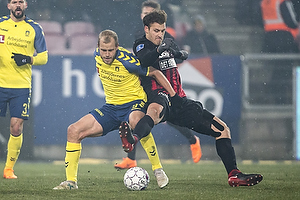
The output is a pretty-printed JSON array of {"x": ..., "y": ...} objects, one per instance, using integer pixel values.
[{"x": 67, "y": 88}]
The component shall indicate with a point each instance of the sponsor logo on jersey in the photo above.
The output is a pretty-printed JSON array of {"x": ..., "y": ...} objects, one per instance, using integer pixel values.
[
  {"x": 139, "y": 47},
  {"x": 2, "y": 39},
  {"x": 167, "y": 64}
]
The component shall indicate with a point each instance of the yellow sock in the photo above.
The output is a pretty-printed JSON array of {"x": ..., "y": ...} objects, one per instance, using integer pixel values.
[
  {"x": 149, "y": 146},
  {"x": 13, "y": 150},
  {"x": 73, "y": 151}
]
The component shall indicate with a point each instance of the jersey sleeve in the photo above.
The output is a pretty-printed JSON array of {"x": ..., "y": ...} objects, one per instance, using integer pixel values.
[
  {"x": 40, "y": 43},
  {"x": 39, "y": 40},
  {"x": 40, "y": 58},
  {"x": 132, "y": 63},
  {"x": 146, "y": 55},
  {"x": 96, "y": 52}
]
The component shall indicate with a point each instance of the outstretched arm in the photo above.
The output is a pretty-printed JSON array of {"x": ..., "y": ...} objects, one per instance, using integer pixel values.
[{"x": 175, "y": 99}]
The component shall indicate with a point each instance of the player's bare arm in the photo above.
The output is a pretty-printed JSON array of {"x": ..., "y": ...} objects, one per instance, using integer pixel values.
[{"x": 162, "y": 80}]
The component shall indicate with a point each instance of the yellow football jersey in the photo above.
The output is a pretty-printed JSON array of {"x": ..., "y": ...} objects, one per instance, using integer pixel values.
[
  {"x": 25, "y": 38},
  {"x": 120, "y": 80}
]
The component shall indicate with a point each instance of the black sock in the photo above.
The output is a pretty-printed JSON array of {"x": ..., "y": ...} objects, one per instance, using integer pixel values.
[
  {"x": 186, "y": 133},
  {"x": 131, "y": 154},
  {"x": 143, "y": 127},
  {"x": 226, "y": 153}
]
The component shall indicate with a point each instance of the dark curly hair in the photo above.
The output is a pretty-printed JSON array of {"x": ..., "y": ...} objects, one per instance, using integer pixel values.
[{"x": 158, "y": 16}]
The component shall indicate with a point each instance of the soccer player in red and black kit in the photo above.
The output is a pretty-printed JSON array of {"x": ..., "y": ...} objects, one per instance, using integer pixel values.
[
  {"x": 154, "y": 50},
  {"x": 194, "y": 141}
]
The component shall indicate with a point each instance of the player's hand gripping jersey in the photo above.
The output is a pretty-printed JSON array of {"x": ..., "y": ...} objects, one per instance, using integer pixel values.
[
  {"x": 25, "y": 38},
  {"x": 146, "y": 51},
  {"x": 120, "y": 80}
]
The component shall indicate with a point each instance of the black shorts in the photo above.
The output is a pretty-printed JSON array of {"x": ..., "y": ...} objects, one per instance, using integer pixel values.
[
  {"x": 192, "y": 115},
  {"x": 190, "y": 111},
  {"x": 160, "y": 97}
]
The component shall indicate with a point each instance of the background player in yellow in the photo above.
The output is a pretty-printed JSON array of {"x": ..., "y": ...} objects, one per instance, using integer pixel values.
[
  {"x": 119, "y": 71},
  {"x": 20, "y": 37}
]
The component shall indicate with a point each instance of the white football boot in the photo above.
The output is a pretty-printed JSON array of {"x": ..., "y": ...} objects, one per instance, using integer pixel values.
[
  {"x": 161, "y": 177},
  {"x": 66, "y": 185}
]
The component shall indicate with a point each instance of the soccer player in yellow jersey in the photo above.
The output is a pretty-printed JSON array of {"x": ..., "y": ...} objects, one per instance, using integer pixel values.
[
  {"x": 119, "y": 71},
  {"x": 20, "y": 37}
]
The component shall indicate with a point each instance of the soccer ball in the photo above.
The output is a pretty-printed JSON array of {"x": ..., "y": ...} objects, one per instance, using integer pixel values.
[{"x": 136, "y": 178}]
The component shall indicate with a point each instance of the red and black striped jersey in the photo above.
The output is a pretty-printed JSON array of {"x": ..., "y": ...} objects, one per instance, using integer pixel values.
[{"x": 146, "y": 51}]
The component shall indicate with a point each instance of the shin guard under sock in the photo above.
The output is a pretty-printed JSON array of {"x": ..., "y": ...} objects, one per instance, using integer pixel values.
[
  {"x": 143, "y": 127},
  {"x": 149, "y": 146},
  {"x": 73, "y": 151},
  {"x": 226, "y": 153},
  {"x": 13, "y": 150}
]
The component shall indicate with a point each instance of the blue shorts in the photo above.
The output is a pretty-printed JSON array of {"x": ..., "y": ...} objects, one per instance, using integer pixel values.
[
  {"x": 18, "y": 100},
  {"x": 110, "y": 116}
]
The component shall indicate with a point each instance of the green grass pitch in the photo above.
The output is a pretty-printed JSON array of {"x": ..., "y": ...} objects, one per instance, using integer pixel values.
[{"x": 205, "y": 180}]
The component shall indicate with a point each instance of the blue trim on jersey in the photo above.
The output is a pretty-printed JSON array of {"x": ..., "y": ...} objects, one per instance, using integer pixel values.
[
  {"x": 131, "y": 63},
  {"x": 39, "y": 40},
  {"x": 97, "y": 52},
  {"x": 4, "y": 18}
]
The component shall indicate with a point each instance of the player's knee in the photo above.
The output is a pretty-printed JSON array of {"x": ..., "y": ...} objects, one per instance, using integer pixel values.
[
  {"x": 133, "y": 123},
  {"x": 219, "y": 126},
  {"x": 71, "y": 129},
  {"x": 226, "y": 133},
  {"x": 16, "y": 126},
  {"x": 134, "y": 118},
  {"x": 156, "y": 112},
  {"x": 16, "y": 130},
  {"x": 73, "y": 133}
]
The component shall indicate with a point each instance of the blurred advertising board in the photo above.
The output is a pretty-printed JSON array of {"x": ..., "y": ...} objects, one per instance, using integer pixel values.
[{"x": 68, "y": 87}]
